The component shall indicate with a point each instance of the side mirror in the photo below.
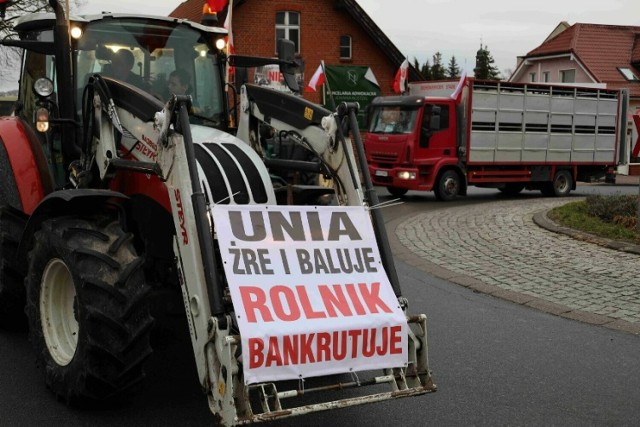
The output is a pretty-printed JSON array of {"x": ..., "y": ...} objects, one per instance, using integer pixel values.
[{"x": 288, "y": 65}]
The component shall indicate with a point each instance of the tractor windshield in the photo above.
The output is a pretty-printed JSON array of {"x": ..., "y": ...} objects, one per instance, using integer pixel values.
[
  {"x": 158, "y": 57},
  {"x": 393, "y": 119}
]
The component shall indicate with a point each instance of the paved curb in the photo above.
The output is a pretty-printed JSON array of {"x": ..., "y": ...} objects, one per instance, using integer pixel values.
[
  {"x": 407, "y": 256},
  {"x": 542, "y": 219}
]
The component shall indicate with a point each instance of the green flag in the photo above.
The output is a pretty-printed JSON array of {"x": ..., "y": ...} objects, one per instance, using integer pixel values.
[{"x": 350, "y": 84}]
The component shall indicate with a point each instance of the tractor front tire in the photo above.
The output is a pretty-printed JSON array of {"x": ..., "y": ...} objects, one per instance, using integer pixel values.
[{"x": 88, "y": 311}]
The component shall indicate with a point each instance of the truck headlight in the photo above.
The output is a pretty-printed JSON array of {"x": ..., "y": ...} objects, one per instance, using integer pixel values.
[{"x": 406, "y": 175}]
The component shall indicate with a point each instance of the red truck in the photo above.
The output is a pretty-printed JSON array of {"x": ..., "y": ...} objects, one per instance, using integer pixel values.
[{"x": 501, "y": 135}]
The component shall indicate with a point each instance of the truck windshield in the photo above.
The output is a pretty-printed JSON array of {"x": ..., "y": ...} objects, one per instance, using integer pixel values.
[
  {"x": 156, "y": 56},
  {"x": 393, "y": 119}
]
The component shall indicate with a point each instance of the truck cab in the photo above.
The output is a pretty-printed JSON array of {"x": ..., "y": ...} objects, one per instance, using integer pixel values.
[{"x": 407, "y": 137}]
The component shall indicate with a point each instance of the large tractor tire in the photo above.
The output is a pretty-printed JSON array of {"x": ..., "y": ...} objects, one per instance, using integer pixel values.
[
  {"x": 88, "y": 310},
  {"x": 12, "y": 294},
  {"x": 12, "y": 291}
]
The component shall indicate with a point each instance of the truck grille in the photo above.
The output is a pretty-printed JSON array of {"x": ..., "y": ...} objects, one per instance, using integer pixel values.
[{"x": 384, "y": 157}]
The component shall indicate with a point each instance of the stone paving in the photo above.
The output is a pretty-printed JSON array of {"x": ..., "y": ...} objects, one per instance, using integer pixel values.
[{"x": 497, "y": 248}]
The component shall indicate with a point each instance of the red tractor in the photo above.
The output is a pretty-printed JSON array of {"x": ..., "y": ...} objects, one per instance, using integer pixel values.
[{"x": 115, "y": 187}]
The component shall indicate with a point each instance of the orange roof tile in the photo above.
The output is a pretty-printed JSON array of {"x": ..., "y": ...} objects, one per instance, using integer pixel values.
[{"x": 602, "y": 49}]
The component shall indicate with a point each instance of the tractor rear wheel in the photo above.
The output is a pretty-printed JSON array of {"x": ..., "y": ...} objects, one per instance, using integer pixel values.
[
  {"x": 12, "y": 293},
  {"x": 88, "y": 309}
]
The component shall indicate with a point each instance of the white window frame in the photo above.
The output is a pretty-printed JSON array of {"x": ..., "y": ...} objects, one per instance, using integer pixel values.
[
  {"x": 561, "y": 74},
  {"x": 628, "y": 74},
  {"x": 350, "y": 47},
  {"x": 287, "y": 27}
]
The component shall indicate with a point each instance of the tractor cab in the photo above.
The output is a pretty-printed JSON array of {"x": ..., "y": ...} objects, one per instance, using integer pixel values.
[{"x": 144, "y": 60}]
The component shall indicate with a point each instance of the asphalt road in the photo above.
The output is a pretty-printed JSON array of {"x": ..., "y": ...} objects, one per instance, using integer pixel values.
[{"x": 495, "y": 363}]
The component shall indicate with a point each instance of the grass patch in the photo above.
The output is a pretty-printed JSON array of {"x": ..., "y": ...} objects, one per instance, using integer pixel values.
[{"x": 601, "y": 216}]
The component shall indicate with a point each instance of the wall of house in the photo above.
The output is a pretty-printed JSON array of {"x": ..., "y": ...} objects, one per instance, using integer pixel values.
[
  {"x": 321, "y": 26},
  {"x": 553, "y": 66}
]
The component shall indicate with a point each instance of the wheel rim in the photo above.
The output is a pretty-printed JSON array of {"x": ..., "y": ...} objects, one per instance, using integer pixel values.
[
  {"x": 562, "y": 183},
  {"x": 57, "y": 313},
  {"x": 450, "y": 186}
]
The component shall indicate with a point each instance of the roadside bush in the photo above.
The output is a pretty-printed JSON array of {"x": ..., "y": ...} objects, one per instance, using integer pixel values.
[
  {"x": 608, "y": 207},
  {"x": 626, "y": 221},
  {"x": 618, "y": 209}
]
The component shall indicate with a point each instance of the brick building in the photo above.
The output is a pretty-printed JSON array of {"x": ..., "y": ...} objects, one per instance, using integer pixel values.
[{"x": 338, "y": 32}]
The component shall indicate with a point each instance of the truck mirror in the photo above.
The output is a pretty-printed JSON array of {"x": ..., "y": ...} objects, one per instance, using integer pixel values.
[{"x": 288, "y": 65}]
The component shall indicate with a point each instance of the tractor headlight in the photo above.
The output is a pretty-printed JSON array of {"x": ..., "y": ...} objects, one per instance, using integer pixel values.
[
  {"x": 76, "y": 33},
  {"x": 42, "y": 120},
  {"x": 43, "y": 87},
  {"x": 220, "y": 44}
]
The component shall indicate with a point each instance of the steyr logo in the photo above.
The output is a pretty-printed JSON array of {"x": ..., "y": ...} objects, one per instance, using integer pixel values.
[{"x": 181, "y": 220}]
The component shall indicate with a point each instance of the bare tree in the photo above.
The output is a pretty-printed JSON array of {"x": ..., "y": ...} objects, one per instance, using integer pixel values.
[{"x": 10, "y": 57}]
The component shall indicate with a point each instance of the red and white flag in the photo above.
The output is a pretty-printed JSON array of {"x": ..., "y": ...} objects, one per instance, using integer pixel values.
[
  {"x": 457, "y": 93},
  {"x": 217, "y": 5},
  {"x": 316, "y": 80},
  {"x": 230, "y": 48},
  {"x": 400, "y": 82}
]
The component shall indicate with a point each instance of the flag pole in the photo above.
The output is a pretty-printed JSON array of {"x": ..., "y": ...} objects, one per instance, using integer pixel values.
[
  {"x": 326, "y": 81},
  {"x": 229, "y": 19}
]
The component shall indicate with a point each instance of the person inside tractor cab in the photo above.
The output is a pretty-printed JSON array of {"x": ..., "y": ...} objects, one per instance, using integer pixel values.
[
  {"x": 122, "y": 62},
  {"x": 179, "y": 84}
]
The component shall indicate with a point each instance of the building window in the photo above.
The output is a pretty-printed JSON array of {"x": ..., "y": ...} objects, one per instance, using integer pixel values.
[
  {"x": 568, "y": 76},
  {"x": 532, "y": 77},
  {"x": 288, "y": 27},
  {"x": 345, "y": 47},
  {"x": 629, "y": 75},
  {"x": 545, "y": 77}
]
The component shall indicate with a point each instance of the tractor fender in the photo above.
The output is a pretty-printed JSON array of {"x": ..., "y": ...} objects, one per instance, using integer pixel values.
[
  {"x": 25, "y": 162},
  {"x": 68, "y": 202}
]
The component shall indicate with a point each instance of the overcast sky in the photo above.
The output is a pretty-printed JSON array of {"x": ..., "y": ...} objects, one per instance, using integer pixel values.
[{"x": 420, "y": 28}]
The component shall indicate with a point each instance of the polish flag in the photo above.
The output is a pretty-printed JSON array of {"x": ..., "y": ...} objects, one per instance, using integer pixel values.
[
  {"x": 316, "y": 80},
  {"x": 400, "y": 82},
  {"x": 230, "y": 48},
  {"x": 457, "y": 94},
  {"x": 216, "y": 5}
]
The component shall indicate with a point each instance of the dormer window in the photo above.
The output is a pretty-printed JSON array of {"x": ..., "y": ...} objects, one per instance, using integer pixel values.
[{"x": 629, "y": 75}]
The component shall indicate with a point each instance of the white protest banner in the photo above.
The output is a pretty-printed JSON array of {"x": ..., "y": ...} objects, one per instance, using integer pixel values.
[{"x": 309, "y": 291}]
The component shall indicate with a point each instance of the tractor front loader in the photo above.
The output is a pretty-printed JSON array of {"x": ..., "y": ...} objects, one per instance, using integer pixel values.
[{"x": 115, "y": 188}]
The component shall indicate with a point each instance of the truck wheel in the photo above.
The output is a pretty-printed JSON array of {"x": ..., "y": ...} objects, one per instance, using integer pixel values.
[
  {"x": 561, "y": 185},
  {"x": 397, "y": 192},
  {"x": 448, "y": 186},
  {"x": 88, "y": 313},
  {"x": 12, "y": 293}
]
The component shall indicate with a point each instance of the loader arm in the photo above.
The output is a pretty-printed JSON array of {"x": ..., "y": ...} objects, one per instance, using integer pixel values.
[
  {"x": 310, "y": 126},
  {"x": 187, "y": 167}
]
